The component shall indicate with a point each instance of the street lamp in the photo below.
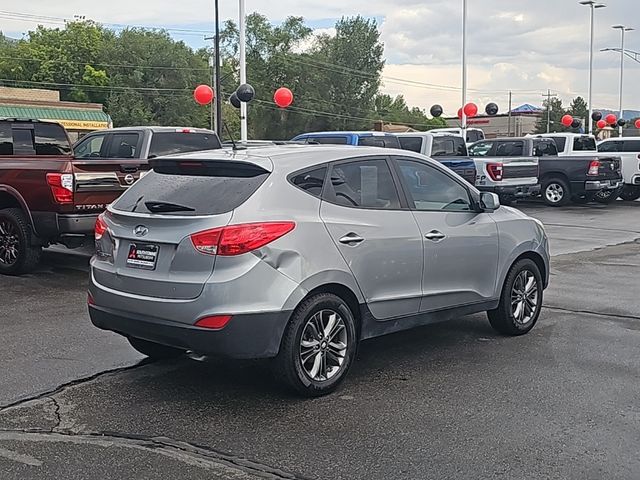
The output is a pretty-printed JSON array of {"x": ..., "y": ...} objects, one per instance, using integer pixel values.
[
  {"x": 243, "y": 72},
  {"x": 622, "y": 29},
  {"x": 592, "y": 6}
]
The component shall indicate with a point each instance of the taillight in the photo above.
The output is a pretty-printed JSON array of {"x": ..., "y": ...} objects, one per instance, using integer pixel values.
[
  {"x": 61, "y": 185},
  {"x": 100, "y": 227},
  {"x": 239, "y": 239},
  {"x": 217, "y": 322},
  {"x": 90, "y": 300},
  {"x": 495, "y": 171},
  {"x": 594, "y": 168}
]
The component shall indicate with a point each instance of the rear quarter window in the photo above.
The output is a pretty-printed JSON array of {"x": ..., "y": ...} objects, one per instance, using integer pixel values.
[
  {"x": 379, "y": 141},
  {"x": 6, "y": 139},
  {"x": 310, "y": 181},
  {"x": 50, "y": 139},
  {"x": 169, "y": 143}
]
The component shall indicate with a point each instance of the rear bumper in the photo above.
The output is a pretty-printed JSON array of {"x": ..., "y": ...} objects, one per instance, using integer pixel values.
[
  {"x": 246, "y": 336},
  {"x": 51, "y": 225},
  {"x": 516, "y": 191},
  {"x": 597, "y": 185}
]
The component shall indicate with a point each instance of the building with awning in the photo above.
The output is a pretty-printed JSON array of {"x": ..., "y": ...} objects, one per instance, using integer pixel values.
[{"x": 78, "y": 118}]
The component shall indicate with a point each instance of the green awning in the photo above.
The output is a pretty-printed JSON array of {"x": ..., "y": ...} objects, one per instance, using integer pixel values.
[{"x": 71, "y": 118}]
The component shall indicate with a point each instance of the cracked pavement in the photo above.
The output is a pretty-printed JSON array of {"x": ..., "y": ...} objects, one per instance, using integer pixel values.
[{"x": 453, "y": 400}]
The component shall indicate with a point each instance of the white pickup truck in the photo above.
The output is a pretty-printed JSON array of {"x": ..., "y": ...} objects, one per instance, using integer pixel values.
[
  {"x": 572, "y": 144},
  {"x": 628, "y": 149},
  {"x": 510, "y": 178}
]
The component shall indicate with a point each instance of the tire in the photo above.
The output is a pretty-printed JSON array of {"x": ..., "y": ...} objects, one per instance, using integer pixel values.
[
  {"x": 505, "y": 319},
  {"x": 17, "y": 254},
  {"x": 307, "y": 363},
  {"x": 555, "y": 192},
  {"x": 630, "y": 193},
  {"x": 607, "y": 196},
  {"x": 155, "y": 351}
]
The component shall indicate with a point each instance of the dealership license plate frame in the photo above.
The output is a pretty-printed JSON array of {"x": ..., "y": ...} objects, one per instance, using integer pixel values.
[{"x": 143, "y": 256}]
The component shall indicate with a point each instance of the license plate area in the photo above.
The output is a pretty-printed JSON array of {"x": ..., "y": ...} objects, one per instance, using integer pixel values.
[{"x": 143, "y": 256}]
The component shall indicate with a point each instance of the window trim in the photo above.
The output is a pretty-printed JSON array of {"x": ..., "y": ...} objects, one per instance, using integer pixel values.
[
  {"x": 473, "y": 200},
  {"x": 292, "y": 175},
  {"x": 328, "y": 193}
]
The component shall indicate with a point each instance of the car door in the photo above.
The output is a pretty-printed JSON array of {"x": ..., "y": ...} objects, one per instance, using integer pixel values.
[
  {"x": 378, "y": 238},
  {"x": 460, "y": 244}
]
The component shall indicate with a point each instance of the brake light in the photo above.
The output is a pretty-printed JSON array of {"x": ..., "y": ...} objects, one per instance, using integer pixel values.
[
  {"x": 495, "y": 171},
  {"x": 61, "y": 185},
  {"x": 239, "y": 239},
  {"x": 100, "y": 227},
  {"x": 594, "y": 168},
  {"x": 216, "y": 322},
  {"x": 90, "y": 300},
  {"x": 185, "y": 130}
]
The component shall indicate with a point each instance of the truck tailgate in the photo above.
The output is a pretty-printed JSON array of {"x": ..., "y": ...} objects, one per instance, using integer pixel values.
[{"x": 97, "y": 183}]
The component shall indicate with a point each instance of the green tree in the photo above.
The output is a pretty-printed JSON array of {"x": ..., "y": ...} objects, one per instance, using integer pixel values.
[
  {"x": 553, "y": 111},
  {"x": 579, "y": 109}
]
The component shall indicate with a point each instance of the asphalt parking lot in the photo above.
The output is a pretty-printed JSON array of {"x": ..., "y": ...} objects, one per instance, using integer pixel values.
[{"x": 453, "y": 400}]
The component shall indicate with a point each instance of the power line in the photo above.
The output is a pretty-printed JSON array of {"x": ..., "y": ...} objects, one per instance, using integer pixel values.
[{"x": 150, "y": 67}]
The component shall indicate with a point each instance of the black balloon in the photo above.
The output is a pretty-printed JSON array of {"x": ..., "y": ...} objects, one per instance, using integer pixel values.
[
  {"x": 576, "y": 123},
  {"x": 436, "y": 111},
  {"x": 234, "y": 100},
  {"x": 245, "y": 93},
  {"x": 596, "y": 116},
  {"x": 491, "y": 109},
  {"x": 622, "y": 122}
]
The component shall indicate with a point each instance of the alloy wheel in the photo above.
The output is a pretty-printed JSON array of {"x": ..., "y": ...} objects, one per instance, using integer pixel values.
[
  {"x": 524, "y": 297},
  {"x": 554, "y": 192},
  {"x": 323, "y": 345},
  {"x": 9, "y": 243}
]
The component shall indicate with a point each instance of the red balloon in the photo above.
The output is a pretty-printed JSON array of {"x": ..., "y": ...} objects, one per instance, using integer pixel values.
[
  {"x": 567, "y": 120},
  {"x": 203, "y": 94},
  {"x": 460, "y": 113},
  {"x": 601, "y": 124},
  {"x": 611, "y": 119},
  {"x": 638, "y": 123},
  {"x": 283, "y": 97},
  {"x": 470, "y": 109}
]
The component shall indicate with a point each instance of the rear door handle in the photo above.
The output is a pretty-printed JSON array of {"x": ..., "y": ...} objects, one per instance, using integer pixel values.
[
  {"x": 435, "y": 235},
  {"x": 350, "y": 238}
]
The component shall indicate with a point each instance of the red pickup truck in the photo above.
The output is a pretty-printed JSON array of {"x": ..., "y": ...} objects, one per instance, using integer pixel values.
[{"x": 48, "y": 195}]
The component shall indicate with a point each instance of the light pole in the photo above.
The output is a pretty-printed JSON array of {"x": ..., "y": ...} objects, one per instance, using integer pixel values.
[
  {"x": 464, "y": 68},
  {"x": 592, "y": 6},
  {"x": 622, "y": 29},
  {"x": 243, "y": 73}
]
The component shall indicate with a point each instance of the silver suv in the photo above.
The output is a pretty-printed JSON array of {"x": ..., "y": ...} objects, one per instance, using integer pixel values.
[{"x": 299, "y": 252}]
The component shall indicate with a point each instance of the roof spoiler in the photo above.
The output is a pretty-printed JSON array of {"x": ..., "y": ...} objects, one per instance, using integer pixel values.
[{"x": 206, "y": 168}]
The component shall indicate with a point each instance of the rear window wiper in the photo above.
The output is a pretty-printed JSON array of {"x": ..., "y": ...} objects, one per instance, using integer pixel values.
[{"x": 159, "y": 207}]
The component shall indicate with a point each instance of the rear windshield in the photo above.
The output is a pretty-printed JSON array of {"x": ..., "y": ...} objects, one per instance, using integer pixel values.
[
  {"x": 474, "y": 136},
  {"x": 449, "y": 146},
  {"x": 379, "y": 141},
  {"x": 210, "y": 192},
  {"x": 413, "y": 144},
  {"x": 169, "y": 143},
  {"x": 584, "y": 144}
]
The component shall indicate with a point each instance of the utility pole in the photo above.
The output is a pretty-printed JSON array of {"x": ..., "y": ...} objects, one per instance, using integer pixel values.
[
  {"x": 549, "y": 96},
  {"x": 216, "y": 122},
  {"x": 510, "y": 107}
]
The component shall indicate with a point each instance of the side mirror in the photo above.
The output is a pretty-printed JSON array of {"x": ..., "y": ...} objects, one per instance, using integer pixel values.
[{"x": 489, "y": 202}]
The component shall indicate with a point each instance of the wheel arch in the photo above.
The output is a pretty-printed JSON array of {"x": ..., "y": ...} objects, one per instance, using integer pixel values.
[
  {"x": 11, "y": 198},
  {"x": 536, "y": 258}
]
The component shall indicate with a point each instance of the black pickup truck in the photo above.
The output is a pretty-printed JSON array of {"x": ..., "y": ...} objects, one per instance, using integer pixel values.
[{"x": 580, "y": 179}]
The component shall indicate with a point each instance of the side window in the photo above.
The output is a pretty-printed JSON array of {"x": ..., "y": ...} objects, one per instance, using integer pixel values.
[
  {"x": 612, "y": 146},
  {"x": 545, "y": 148},
  {"x": 480, "y": 149},
  {"x": 430, "y": 189},
  {"x": 584, "y": 144},
  {"x": 364, "y": 183},
  {"x": 123, "y": 145},
  {"x": 90, "y": 147},
  {"x": 631, "y": 146},
  {"x": 452, "y": 146},
  {"x": 50, "y": 139},
  {"x": 413, "y": 144},
  {"x": 6, "y": 139},
  {"x": 372, "y": 141},
  {"x": 510, "y": 149},
  {"x": 561, "y": 142},
  {"x": 23, "y": 141},
  {"x": 311, "y": 181},
  {"x": 474, "y": 136}
]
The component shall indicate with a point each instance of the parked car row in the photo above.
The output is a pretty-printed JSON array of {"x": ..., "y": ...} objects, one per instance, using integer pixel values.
[{"x": 514, "y": 168}]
